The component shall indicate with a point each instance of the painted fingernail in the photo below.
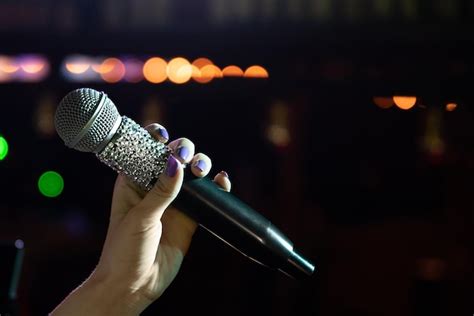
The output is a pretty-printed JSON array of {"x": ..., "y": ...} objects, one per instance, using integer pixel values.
[
  {"x": 163, "y": 133},
  {"x": 200, "y": 164},
  {"x": 171, "y": 167},
  {"x": 224, "y": 174},
  {"x": 183, "y": 152}
]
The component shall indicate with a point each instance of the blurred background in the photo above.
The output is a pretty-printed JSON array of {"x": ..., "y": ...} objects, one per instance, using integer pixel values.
[{"x": 348, "y": 123}]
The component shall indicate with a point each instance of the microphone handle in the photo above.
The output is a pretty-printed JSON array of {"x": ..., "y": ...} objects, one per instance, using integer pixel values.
[{"x": 238, "y": 225}]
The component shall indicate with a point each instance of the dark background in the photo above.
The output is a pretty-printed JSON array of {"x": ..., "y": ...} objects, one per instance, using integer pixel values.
[{"x": 386, "y": 216}]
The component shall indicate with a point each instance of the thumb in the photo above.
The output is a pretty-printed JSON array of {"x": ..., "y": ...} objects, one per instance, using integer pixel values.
[{"x": 163, "y": 192}]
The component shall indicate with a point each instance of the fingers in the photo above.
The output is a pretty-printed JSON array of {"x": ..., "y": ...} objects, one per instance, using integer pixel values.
[
  {"x": 158, "y": 132},
  {"x": 165, "y": 190},
  {"x": 201, "y": 164},
  {"x": 183, "y": 149},
  {"x": 222, "y": 180}
]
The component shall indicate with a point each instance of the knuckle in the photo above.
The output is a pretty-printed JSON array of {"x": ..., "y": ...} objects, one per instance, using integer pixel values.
[{"x": 163, "y": 191}]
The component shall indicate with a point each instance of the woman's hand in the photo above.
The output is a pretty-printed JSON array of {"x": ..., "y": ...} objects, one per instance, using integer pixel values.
[{"x": 146, "y": 240}]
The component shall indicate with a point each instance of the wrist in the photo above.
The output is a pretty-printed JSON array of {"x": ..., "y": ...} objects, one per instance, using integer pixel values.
[
  {"x": 115, "y": 296},
  {"x": 99, "y": 296}
]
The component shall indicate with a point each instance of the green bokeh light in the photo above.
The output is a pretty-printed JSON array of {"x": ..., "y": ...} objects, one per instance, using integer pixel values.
[
  {"x": 51, "y": 184},
  {"x": 3, "y": 148}
]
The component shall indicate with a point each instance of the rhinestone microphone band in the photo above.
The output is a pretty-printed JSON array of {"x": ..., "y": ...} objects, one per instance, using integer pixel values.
[{"x": 135, "y": 154}]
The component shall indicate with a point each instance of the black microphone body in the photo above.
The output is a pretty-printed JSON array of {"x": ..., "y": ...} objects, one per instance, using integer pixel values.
[
  {"x": 237, "y": 224},
  {"x": 88, "y": 121}
]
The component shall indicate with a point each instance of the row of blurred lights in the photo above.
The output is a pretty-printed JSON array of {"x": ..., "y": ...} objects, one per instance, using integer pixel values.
[
  {"x": 23, "y": 68},
  {"x": 79, "y": 68},
  {"x": 405, "y": 103},
  {"x": 154, "y": 70}
]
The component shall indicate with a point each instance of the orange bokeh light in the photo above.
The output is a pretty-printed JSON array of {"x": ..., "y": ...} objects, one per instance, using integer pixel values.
[
  {"x": 196, "y": 72},
  {"x": 217, "y": 71},
  {"x": 179, "y": 70},
  {"x": 33, "y": 67},
  {"x": 208, "y": 73},
  {"x": 451, "y": 107},
  {"x": 232, "y": 71},
  {"x": 77, "y": 68},
  {"x": 383, "y": 102},
  {"x": 404, "y": 102},
  {"x": 104, "y": 67},
  {"x": 201, "y": 62},
  {"x": 116, "y": 72},
  {"x": 256, "y": 72},
  {"x": 154, "y": 70},
  {"x": 8, "y": 65}
]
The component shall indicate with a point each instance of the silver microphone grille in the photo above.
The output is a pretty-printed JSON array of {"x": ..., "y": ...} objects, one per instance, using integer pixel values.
[{"x": 85, "y": 119}]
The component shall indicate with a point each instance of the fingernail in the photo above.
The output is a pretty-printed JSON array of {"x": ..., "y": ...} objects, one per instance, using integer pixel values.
[
  {"x": 163, "y": 133},
  {"x": 200, "y": 164},
  {"x": 183, "y": 152},
  {"x": 171, "y": 167},
  {"x": 224, "y": 174}
]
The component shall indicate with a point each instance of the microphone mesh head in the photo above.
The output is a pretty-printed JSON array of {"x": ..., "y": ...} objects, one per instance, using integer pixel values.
[{"x": 73, "y": 117}]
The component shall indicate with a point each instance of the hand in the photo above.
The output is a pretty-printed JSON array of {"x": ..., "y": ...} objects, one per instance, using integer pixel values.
[{"x": 146, "y": 240}]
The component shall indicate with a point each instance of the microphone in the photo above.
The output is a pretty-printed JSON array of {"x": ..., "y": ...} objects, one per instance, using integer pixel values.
[{"x": 88, "y": 121}]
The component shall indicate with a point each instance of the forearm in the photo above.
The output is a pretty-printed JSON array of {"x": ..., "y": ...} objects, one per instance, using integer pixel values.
[{"x": 96, "y": 298}]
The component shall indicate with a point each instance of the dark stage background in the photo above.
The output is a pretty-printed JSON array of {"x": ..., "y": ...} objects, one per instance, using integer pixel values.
[{"x": 380, "y": 198}]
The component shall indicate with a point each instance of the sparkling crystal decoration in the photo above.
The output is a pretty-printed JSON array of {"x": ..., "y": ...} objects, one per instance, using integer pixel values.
[{"x": 134, "y": 153}]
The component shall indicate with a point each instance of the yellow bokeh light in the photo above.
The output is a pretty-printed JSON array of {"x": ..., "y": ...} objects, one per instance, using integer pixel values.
[
  {"x": 404, "y": 102},
  {"x": 77, "y": 68},
  {"x": 256, "y": 72},
  {"x": 183, "y": 75},
  {"x": 451, "y": 107},
  {"x": 179, "y": 70},
  {"x": 117, "y": 71},
  {"x": 232, "y": 71},
  {"x": 154, "y": 70}
]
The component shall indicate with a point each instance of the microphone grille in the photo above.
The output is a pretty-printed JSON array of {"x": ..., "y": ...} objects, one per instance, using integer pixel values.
[{"x": 73, "y": 118}]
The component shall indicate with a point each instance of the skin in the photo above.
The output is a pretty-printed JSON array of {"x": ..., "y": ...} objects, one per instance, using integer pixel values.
[{"x": 146, "y": 240}]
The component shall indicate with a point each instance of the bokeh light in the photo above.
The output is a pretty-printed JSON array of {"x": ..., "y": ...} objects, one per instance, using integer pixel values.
[
  {"x": 383, "y": 102},
  {"x": 451, "y": 107},
  {"x": 256, "y": 72},
  {"x": 133, "y": 70},
  {"x": 179, "y": 70},
  {"x": 51, "y": 184},
  {"x": 207, "y": 73},
  {"x": 19, "y": 244},
  {"x": 103, "y": 66},
  {"x": 3, "y": 148},
  {"x": 32, "y": 64},
  {"x": 232, "y": 71},
  {"x": 404, "y": 102},
  {"x": 195, "y": 72},
  {"x": 201, "y": 62},
  {"x": 33, "y": 68},
  {"x": 77, "y": 64},
  {"x": 277, "y": 130},
  {"x": 4, "y": 77},
  {"x": 154, "y": 70},
  {"x": 8, "y": 65},
  {"x": 117, "y": 70},
  {"x": 43, "y": 118}
]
